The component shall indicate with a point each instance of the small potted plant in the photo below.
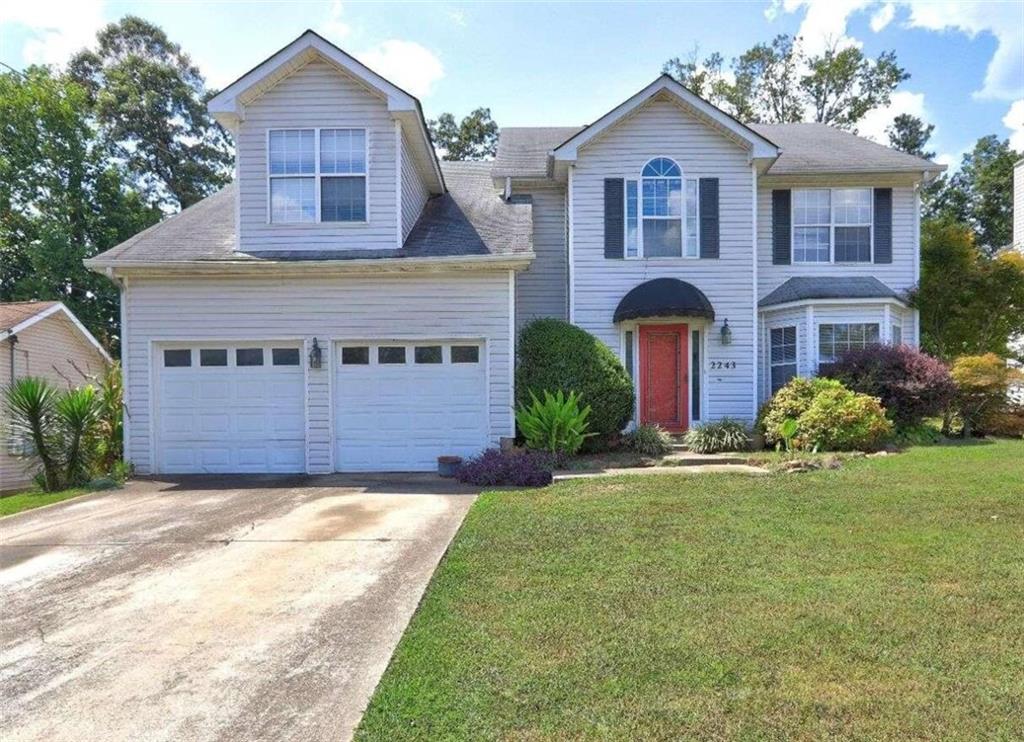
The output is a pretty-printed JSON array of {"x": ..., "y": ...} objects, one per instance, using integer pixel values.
[{"x": 447, "y": 466}]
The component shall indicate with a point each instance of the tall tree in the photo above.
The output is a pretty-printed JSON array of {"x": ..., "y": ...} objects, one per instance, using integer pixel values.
[
  {"x": 980, "y": 193},
  {"x": 62, "y": 199},
  {"x": 149, "y": 101},
  {"x": 970, "y": 303},
  {"x": 910, "y": 134},
  {"x": 473, "y": 138},
  {"x": 778, "y": 82}
]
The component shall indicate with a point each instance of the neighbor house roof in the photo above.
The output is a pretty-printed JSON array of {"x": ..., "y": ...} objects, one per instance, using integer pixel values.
[
  {"x": 805, "y": 288},
  {"x": 806, "y": 149},
  {"x": 18, "y": 316},
  {"x": 469, "y": 220}
]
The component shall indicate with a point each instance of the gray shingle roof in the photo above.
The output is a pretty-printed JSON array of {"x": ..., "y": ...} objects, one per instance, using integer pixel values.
[
  {"x": 471, "y": 219},
  {"x": 806, "y": 149},
  {"x": 804, "y": 288},
  {"x": 818, "y": 148},
  {"x": 523, "y": 150}
]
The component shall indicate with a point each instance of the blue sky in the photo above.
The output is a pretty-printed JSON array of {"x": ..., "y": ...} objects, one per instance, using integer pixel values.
[{"x": 567, "y": 63}]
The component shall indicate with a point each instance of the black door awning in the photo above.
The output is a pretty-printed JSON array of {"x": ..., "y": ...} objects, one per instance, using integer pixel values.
[{"x": 664, "y": 297}]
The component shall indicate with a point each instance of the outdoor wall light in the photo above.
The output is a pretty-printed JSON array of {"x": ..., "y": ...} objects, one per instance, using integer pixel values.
[
  {"x": 726, "y": 333},
  {"x": 316, "y": 355}
]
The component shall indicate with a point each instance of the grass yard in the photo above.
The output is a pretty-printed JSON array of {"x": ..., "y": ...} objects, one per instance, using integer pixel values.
[
  {"x": 884, "y": 600},
  {"x": 11, "y": 504}
]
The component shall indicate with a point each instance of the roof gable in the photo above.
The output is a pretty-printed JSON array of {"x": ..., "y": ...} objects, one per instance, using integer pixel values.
[
  {"x": 18, "y": 316},
  {"x": 760, "y": 147}
]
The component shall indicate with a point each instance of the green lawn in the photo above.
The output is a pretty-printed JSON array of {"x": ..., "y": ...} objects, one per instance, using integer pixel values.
[
  {"x": 10, "y": 504},
  {"x": 881, "y": 601}
]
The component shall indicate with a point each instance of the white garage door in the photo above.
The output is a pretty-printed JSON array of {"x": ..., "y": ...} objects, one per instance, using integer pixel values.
[
  {"x": 231, "y": 408},
  {"x": 398, "y": 405}
]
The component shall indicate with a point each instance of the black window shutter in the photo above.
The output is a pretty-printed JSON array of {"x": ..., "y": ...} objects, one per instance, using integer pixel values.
[
  {"x": 781, "y": 237},
  {"x": 708, "y": 208},
  {"x": 883, "y": 225},
  {"x": 614, "y": 219}
]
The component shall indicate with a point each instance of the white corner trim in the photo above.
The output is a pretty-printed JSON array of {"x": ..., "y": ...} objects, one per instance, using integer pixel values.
[
  {"x": 398, "y": 184},
  {"x": 512, "y": 352},
  {"x": 753, "y": 297},
  {"x": 569, "y": 247},
  {"x": 812, "y": 350},
  {"x": 50, "y": 311},
  {"x": 126, "y": 397}
]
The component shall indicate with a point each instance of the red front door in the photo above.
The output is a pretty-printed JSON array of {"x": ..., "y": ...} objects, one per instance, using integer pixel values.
[{"x": 663, "y": 380}]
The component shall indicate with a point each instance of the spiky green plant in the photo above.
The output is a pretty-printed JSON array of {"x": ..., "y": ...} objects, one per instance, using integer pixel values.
[
  {"x": 31, "y": 406},
  {"x": 78, "y": 413},
  {"x": 110, "y": 394},
  {"x": 557, "y": 424}
]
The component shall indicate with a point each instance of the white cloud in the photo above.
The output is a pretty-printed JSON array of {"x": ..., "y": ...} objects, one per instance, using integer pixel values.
[
  {"x": 335, "y": 28},
  {"x": 874, "y": 122},
  {"x": 824, "y": 22},
  {"x": 406, "y": 63},
  {"x": 883, "y": 17},
  {"x": 1014, "y": 121},
  {"x": 1003, "y": 78},
  {"x": 59, "y": 28}
]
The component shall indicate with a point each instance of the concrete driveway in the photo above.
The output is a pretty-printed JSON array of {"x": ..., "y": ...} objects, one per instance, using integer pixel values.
[{"x": 213, "y": 608}]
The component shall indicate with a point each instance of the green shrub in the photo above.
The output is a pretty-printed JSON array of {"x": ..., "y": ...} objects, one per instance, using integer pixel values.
[
  {"x": 556, "y": 425},
  {"x": 557, "y": 356},
  {"x": 723, "y": 435},
  {"x": 791, "y": 401},
  {"x": 110, "y": 391},
  {"x": 982, "y": 383},
  {"x": 650, "y": 440},
  {"x": 841, "y": 420}
]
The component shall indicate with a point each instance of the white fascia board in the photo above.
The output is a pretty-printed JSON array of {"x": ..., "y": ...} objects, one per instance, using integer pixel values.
[
  {"x": 26, "y": 323},
  {"x": 761, "y": 148}
]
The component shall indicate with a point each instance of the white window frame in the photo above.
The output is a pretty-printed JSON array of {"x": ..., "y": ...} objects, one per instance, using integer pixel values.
[
  {"x": 831, "y": 227},
  {"x": 316, "y": 176},
  {"x": 796, "y": 360},
  {"x": 639, "y": 181},
  {"x": 817, "y": 336}
]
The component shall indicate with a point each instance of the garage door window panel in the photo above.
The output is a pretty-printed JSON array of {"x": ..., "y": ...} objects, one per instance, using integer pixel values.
[
  {"x": 177, "y": 358},
  {"x": 465, "y": 354},
  {"x": 391, "y": 354},
  {"x": 249, "y": 357},
  {"x": 355, "y": 355},
  {"x": 427, "y": 354},
  {"x": 285, "y": 356},
  {"x": 213, "y": 357}
]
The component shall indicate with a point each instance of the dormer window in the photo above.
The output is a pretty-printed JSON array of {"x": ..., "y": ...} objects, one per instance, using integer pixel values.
[
  {"x": 317, "y": 175},
  {"x": 661, "y": 212}
]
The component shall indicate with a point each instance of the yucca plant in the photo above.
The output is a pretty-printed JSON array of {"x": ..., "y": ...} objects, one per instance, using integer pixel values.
[
  {"x": 78, "y": 413},
  {"x": 31, "y": 407},
  {"x": 556, "y": 424}
]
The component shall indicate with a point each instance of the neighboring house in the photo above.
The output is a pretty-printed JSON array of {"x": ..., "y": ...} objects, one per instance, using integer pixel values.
[
  {"x": 351, "y": 304},
  {"x": 41, "y": 338}
]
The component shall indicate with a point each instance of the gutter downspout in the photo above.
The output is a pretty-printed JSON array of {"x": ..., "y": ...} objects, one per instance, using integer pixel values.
[{"x": 13, "y": 340}]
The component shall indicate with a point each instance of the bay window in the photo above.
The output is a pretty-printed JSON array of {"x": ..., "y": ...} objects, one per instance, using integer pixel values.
[
  {"x": 317, "y": 175},
  {"x": 832, "y": 225},
  {"x": 783, "y": 356},
  {"x": 836, "y": 339}
]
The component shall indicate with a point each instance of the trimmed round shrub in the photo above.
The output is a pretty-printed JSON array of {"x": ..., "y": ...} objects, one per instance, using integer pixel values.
[
  {"x": 910, "y": 384},
  {"x": 557, "y": 356},
  {"x": 841, "y": 420},
  {"x": 829, "y": 417}
]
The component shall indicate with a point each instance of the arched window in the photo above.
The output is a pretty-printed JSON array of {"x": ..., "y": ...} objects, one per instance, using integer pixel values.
[{"x": 662, "y": 216}]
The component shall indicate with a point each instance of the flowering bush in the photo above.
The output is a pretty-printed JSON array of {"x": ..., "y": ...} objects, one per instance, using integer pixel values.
[
  {"x": 495, "y": 468},
  {"x": 911, "y": 385}
]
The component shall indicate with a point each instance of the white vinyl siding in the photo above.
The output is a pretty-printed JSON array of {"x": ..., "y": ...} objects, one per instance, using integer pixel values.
[
  {"x": 414, "y": 192},
  {"x": 434, "y": 306},
  {"x": 541, "y": 289},
  {"x": 317, "y": 96},
  {"x": 663, "y": 128}
]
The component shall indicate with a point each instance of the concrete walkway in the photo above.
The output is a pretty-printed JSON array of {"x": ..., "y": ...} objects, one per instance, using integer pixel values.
[{"x": 199, "y": 609}]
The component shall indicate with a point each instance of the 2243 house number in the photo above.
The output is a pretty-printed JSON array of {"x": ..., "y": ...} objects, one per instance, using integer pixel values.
[{"x": 718, "y": 365}]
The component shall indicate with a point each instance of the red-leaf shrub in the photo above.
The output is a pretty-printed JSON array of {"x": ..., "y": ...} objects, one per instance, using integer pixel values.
[
  {"x": 912, "y": 385},
  {"x": 495, "y": 468}
]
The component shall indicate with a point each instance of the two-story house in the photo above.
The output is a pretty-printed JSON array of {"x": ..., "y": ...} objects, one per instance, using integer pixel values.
[{"x": 349, "y": 303}]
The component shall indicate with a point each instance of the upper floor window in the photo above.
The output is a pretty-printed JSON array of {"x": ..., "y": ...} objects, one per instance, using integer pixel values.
[
  {"x": 661, "y": 212},
  {"x": 832, "y": 225},
  {"x": 317, "y": 175}
]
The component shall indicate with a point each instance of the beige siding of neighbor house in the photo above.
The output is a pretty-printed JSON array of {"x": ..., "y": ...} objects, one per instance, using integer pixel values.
[
  {"x": 425, "y": 306},
  {"x": 663, "y": 128},
  {"x": 317, "y": 95},
  {"x": 541, "y": 290},
  {"x": 54, "y": 349},
  {"x": 414, "y": 192}
]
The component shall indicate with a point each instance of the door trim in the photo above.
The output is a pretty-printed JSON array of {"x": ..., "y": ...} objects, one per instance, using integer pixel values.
[{"x": 682, "y": 331}]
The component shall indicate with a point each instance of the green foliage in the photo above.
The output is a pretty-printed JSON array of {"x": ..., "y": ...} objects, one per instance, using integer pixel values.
[
  {"x": 149, "y": 102},
  {"x": 715, "y": 437},
  {"x": 554, "y": 355},
  {"x": 827, "y": 417},
  {"x": 776, "y": 82},
  {"x": 982, "y": 382},
  {"x": 970, "y": 303},
  {"x": 841, "y": 420},
  {"x": 979, "y": 194},
  {"x": 650, "y": 440},
  {"x": 78, "y": 418},
  {"x": 110, "y": 426},
  {"x": 557, "y": 424},
  {"x": 910, "y": 134},
  {"x": 473, "y": 138}
]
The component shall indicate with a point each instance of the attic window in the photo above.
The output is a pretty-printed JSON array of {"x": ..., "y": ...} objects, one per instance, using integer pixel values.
[{"x": 317, "y": 175}]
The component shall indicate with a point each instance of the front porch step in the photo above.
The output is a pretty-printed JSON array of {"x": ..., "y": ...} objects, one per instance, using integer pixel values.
[{"x": 688, "y": 458}]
